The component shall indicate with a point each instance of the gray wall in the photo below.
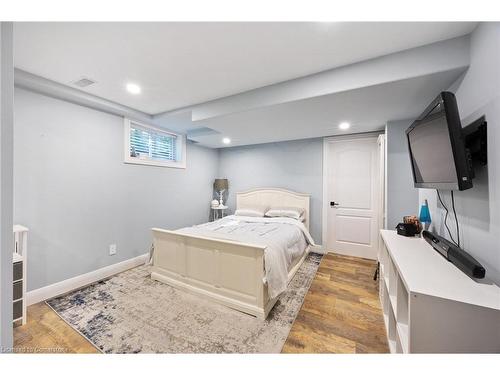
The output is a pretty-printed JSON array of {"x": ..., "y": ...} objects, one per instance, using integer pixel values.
[
  {"x": 77, "y": 197},
  {"x": 478, "y": 208},
  {"x": 6, "y": 154},
  {"x": 402, "y": 197},
  {"x": 294, "y": 165}
]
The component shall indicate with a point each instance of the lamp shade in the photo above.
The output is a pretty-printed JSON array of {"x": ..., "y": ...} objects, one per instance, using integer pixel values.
[{"x": 220, "y": 184}]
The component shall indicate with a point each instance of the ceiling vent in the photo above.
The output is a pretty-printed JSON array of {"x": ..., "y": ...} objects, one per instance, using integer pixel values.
[{"x": 84, "y": 82}]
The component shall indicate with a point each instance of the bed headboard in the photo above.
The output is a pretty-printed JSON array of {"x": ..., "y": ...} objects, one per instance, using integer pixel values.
[{"x": 274, "y": 197}]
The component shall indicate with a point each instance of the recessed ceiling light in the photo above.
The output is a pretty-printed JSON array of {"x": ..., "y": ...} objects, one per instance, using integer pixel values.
[
  {"x": 344, "y": 125},
  {"x": 226, "y": 140},
  {"x": 133, "y": 88}
]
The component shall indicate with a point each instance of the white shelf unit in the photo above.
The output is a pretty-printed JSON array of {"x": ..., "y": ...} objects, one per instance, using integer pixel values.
[
  {"x": 430, "y": 306},
  {"x": 19, "y": 263}
]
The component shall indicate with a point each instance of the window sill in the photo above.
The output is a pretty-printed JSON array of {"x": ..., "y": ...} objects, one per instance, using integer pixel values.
[{"x": 154, "y": 163}]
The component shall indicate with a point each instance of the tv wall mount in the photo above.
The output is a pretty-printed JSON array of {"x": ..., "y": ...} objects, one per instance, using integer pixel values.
[{"x": 476, "y": 142}]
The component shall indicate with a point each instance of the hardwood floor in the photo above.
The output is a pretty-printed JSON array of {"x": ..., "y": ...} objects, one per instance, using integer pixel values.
[
  {"x": 341, "y": 314},
  {"x": 46, "y": 332}
]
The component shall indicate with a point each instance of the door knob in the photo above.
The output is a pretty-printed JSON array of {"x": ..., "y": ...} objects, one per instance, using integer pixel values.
[{"x": 333, "y": 204}]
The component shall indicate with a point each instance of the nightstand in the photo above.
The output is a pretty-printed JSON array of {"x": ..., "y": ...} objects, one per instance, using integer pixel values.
[{"x": 217, "y": 212}]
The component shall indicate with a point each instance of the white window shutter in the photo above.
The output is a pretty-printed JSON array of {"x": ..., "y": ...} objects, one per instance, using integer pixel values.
[{"x": 147, "y": 143}]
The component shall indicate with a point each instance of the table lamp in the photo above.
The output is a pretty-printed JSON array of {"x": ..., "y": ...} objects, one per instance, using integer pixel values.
[
  {"x": 220, "y": 186},
  {"x": 425, "y": 215}
]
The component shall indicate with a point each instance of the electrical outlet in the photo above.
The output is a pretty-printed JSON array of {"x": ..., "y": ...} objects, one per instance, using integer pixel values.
[{"x": 112, "y": 249}]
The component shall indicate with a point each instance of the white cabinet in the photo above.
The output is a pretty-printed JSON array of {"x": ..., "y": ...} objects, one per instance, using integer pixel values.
[
  {"x": 19, "y": 262},
  {"x": 430, "y": 306}
]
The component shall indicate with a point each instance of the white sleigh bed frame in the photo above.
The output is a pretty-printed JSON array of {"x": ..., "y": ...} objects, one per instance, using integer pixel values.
[{"x": 228, "y": 272}]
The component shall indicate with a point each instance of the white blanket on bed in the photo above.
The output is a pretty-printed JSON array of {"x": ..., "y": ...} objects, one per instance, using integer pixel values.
[{"x": 285, "y": 239}]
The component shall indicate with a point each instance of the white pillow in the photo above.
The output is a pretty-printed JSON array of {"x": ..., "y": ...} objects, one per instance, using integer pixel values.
[
  {"x": 255, "y": 211},
  {"x": 293, "y": 212}
]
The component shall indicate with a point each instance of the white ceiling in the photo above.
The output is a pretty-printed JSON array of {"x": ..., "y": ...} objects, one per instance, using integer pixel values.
[
  {"x": 367, "y": 109},
  {"x": 181, "y": 64}
]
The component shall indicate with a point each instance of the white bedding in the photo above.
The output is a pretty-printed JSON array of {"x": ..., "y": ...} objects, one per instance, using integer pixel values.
[{"x": 285, "y": 239}]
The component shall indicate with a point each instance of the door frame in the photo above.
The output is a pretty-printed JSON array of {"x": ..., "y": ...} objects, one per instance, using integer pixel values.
[{"x": 325, "y": 206}]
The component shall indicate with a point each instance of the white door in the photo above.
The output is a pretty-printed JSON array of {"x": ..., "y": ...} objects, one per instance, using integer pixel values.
[{"x": 353, "y": 194}]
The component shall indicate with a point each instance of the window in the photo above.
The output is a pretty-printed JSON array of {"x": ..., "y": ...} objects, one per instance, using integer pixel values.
[{"x": 148, "y": 145}]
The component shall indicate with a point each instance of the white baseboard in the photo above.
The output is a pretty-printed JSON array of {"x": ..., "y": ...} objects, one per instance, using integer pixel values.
[{"x": 53, "y": 290}]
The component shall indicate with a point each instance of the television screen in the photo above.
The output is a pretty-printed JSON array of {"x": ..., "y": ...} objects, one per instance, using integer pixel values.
[{"x": 437, "y": 151}]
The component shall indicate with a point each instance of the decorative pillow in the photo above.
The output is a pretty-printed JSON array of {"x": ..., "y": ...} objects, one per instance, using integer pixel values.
[
  {"x": 293, "y": 212},
  {"x": 255, "y": 211}
]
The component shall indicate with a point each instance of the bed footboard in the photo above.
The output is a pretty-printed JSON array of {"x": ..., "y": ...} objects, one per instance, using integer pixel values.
[{"x": 228, "y": 272}]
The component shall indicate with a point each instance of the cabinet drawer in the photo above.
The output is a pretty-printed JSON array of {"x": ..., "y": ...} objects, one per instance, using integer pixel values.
[
  {"x": 18, "y": 309},
  {"x": 18, "y": 290},
  {"x": 18, "y": 271}
]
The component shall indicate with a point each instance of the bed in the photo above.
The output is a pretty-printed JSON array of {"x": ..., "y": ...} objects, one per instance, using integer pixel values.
[{"x": 228, "y": 269}]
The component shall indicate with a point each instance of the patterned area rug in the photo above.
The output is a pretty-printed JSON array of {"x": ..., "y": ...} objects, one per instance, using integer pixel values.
[{"x": 130, "y": 313}]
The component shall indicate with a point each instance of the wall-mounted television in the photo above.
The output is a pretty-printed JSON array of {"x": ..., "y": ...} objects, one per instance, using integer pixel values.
[{"x": 438, "y": 155}]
